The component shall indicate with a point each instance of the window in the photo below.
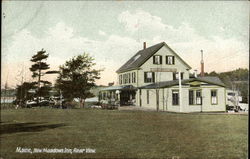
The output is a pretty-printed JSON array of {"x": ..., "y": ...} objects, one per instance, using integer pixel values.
[
  {"x": 129, "y": 78},
  {"x": 170, "y": 60},
  {"x": 157, "y": 59},
  {"x": 123, "y": 78},
  {"x": 214, "y": 97},
  {"x": 176, "y": 75},
  {"x": 120, "y": 79},
  {"x": 104, "y": 95},
  {"x": 147, "y": 96},
  {"x": 149, "y": 77},
  {"x": 133, "y": 77},
  {"x": 175, "y": 97},
  {"x": 198, "y": 97},
  {"x": 191, "y": 97},
  {"x": 126, "y": 78}
]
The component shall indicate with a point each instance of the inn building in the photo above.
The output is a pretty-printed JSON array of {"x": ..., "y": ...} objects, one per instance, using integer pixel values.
[{"x": 156, "y": 77}]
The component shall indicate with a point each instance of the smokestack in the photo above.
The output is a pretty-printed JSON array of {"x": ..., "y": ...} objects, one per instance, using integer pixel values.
[
  {"x": 202, "y": 64},
  {"x": 144, "y": 45}
]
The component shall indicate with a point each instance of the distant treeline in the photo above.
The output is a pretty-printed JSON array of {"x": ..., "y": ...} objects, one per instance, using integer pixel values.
[
  {"x": 235, "y": 80},
  {"x": 8, "y": 92}
]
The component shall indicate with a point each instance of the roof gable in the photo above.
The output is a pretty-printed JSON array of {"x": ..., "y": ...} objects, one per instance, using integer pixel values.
[
  {"x": 143, "y": 55},
  {"x": 139, "y": 58}
]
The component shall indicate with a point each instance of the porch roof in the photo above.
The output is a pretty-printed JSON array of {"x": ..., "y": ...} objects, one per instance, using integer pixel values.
[
  {"x": 165, "y": 84},
  {"x": 124, "y": 87}
]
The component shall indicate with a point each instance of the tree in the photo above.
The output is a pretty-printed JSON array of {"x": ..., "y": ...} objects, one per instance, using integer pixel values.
[
  {"x": 77, "y": 76},
  {"x": 23, "y": 94},
  {"x": 236, "y": 79},
  {"x": 213, "y": 73},
  {"x": 38, "y": 69}
]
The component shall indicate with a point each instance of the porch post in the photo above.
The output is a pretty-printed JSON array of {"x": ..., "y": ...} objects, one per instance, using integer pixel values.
[
  {"x": 118, "y": 97},
  {"x": 180, "y": 96}
]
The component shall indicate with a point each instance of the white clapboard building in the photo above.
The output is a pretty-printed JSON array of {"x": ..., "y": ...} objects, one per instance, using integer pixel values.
[{"x": 150, "y": 79}]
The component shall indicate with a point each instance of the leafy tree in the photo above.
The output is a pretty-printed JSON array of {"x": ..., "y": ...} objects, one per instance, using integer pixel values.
[
  {"x": 77, "y": 76},
  {"x": 23, "y": 94},
  {"x": 213, "y": 73},
  {"x": 38, "y": 69}
]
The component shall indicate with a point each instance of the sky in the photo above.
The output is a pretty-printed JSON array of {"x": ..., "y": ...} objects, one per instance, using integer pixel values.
[{"x": 113, "y": 31}]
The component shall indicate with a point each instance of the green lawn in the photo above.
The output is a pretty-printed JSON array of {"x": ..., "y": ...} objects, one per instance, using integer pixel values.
[{"x": 123, "y": 134}]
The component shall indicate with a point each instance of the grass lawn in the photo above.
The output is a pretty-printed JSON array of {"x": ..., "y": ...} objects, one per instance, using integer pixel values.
[{"x": 123, "y": 134}]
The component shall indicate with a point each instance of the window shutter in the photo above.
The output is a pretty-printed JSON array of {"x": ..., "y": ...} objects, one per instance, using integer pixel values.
[
  {"x": 153, "y": 59},
  {"x": 182, "y": 75},
  {"x": 135, "y": 77},
  {"x": 160, "y": 59},
  {"x": 166, "y": 59},
  {"x": 173, "y": 60},
  {"x": 145, "y": 77},
  {"x": 153, "y": 77}
]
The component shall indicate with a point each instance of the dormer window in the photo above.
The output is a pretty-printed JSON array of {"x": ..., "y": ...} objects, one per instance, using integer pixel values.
[
  {"x": 157, "y": 59},
  {"x": 170, "y": 60}
]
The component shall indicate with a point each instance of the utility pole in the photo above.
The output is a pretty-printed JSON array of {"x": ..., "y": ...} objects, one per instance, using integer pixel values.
[{"x": 202, "y": 64}]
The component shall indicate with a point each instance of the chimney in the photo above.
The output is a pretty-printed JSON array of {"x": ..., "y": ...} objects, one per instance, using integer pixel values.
[
  {"x": 202, "y": 64},
  {"x": 144, "y": 45}
]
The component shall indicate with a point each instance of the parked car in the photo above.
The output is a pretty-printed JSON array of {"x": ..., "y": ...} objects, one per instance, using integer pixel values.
[
  {"x": 96, "y": 106},
  {"x": 31, "y": 103}
]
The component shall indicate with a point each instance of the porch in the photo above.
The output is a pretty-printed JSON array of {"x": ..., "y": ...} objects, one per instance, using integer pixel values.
[{"x": 118, "y": 95}]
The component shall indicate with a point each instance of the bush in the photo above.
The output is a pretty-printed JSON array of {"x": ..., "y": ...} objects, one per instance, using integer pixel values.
[
  {"x": 70, "y": 105},
  {"x": 8, "y": 106}
]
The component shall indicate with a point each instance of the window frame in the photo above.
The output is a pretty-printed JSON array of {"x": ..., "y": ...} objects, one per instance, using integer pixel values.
[
  {"x": 178, "y": 98},
  {"x": 196, "y": 97},
  {"x": 193, "y": 97},
  {"x": 146, "y": 79},
  {"x": 172, "y": 60},
  {"x": 123, "y": 78},
  {"x": 216, "y": 91},
  {"x": 129, "y": 78},
  {"x": 134, "y": 77},
  {"x": 156, "y": 62},
  {"x": 176, "y": 73},
  {"x": 120, "y": 79}
]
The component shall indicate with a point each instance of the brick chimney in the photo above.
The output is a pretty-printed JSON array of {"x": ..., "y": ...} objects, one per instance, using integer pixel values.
[
  {"x": 202, "y": 64},
  {"x": 144, "y": 45}
]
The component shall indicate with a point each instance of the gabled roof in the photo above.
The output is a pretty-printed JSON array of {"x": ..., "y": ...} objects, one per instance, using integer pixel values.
[
  {"x": 165, "y": 84},
  {"x": 143, "y": 55}
]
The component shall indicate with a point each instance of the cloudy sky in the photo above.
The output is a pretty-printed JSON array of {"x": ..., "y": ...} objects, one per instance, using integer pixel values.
[{"x": 113, "y": 31}]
